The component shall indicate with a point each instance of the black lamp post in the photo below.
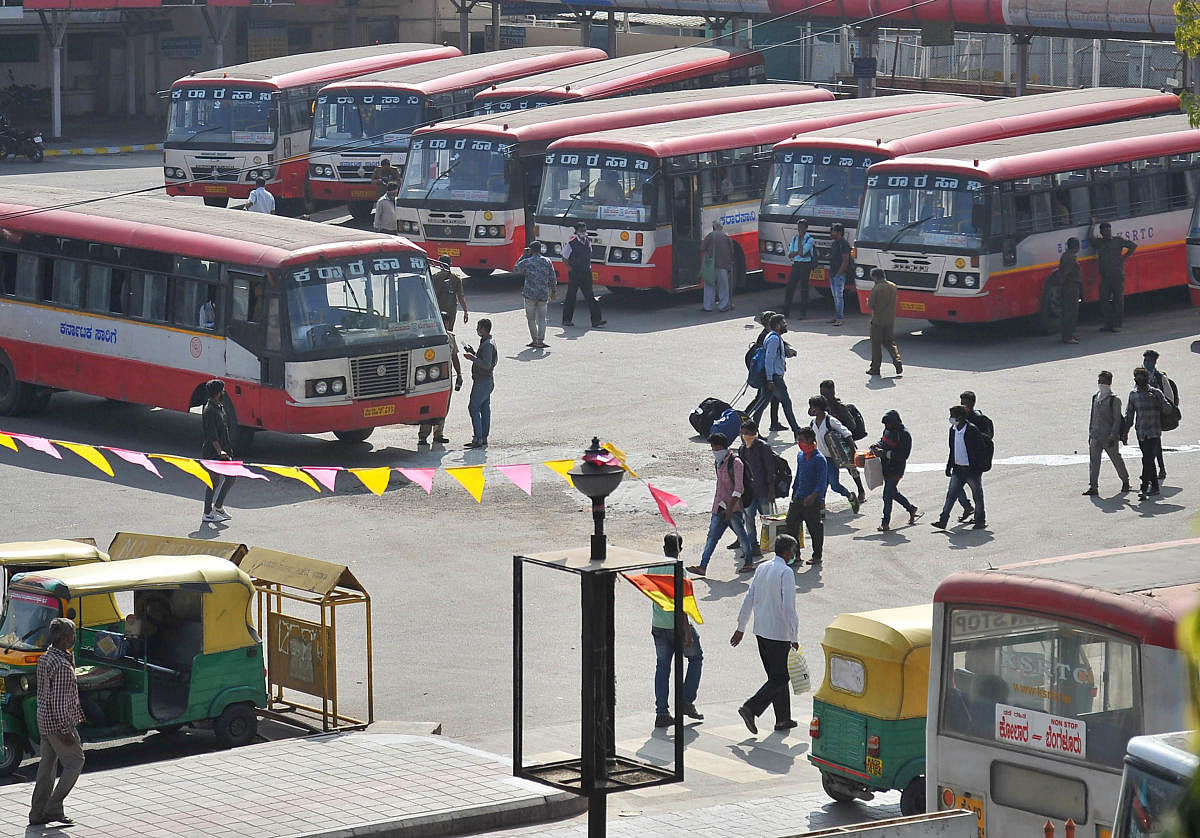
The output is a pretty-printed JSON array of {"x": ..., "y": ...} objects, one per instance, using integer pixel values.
[{"x": 597, "y": 478}]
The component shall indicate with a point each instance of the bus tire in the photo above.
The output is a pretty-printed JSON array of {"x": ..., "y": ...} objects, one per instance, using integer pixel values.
[
  {"x": 216, "y": 202},
  {"x": 14, "y": 395},
  {"x": 236, "y": 726},
  {"x": 912, "y": 799},
  {"x": 361, "y": 210},
  {"x": 14, "y": 753},
  {"x": 1048, "y": 320},
  {"x": 359, "y": 435},
  {"x": 834, "y": 789},
  {"x": 477, "y": 273}
]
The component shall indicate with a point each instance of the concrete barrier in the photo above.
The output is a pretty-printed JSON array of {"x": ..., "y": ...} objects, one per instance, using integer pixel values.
[{"x": 956, "y": 824}]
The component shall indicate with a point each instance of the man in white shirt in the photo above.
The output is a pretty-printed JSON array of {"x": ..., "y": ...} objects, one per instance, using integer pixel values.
[
  {"x": 386, "y": 220},
  {"x": 772, "y": 600},
  {"x": 822, "y": 423},
  {"x": 260, "y": 199}
]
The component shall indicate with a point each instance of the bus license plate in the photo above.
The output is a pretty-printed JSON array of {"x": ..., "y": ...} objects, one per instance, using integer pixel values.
[
  {"x": 905, "y": 306},
  {"x": 971, "y": 804},
  {"x": 216, "y": 190},
  {"x": 379, "y": 410},
  {"x": 362, "y": 193},
  {"x": 875, "y": 766},
  {"x": 449, "y": 251},
  {"x": 818, "y": 275}
]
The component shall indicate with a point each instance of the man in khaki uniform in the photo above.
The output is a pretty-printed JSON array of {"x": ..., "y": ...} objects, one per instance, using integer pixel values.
[{"x": 882, "y": 303}]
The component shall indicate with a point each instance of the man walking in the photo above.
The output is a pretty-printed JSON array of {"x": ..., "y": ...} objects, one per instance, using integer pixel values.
[
  {"x": 483, "y": 366},
  {"x": 893, "y": 450},
  {"x": 882, "y": 302},
  {"x": 448, "y": 288},
  {"x": 964, "y": 466},
  {"x": 852, "y": 420},
  {"x": 58, "y": 714},
  {"x": 663, "y": 630},
  {"x": 720, "y": 247},
  {"x": 436, "y": 426},
  {"x": 808, "y": 494},
  {"x": 386, "y": 219},
  {"x": 1104, "y": 434},
  {"x": 541, "y": 286},
  {"x": 771, "y": 599},
  {"x": 763, "y": 395},
  {"x": 839, "y": 269},
  {"x": 260, "y": 199},
  {"x": 775, "y": 358},
  {"x": 727, "y": 507},
  {"x": 1070, "y": 283},
  {"x": 801, "y": 252},
  {"x": 1143, "y": 413},
  {"x": 1111, "y": 254},
  {"x": 827, "y": 433},
  {"x": 577, "y": 253},
  {"x": 967, "y": 399},
  {"x": 759, "y": 462},
  {"x": 215, "y": 424},
  {"x": 1159, "y": 379}
]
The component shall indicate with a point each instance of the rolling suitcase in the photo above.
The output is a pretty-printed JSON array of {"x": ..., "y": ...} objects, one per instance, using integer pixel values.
[{"x": 709, "y": 411}]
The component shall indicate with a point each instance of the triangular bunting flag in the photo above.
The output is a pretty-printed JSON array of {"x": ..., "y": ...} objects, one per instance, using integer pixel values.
[
  {"x": 620, "y": 455},
  {"x": 187, "y": 466},
  {"x": 423, "y": 477},
  {"x": 90, "y": 454},
  {"x": 231, "y": 468},
  {"x": 292, "y": 472},
  {"x": 471, "y": 478},
  {"x": 661, "y": 591},
  {"x": 561, "y": 467},
  {"x": 137, "y": 458},
  {"x": 38, "y": 443},
  {"x": 375, "y": 479},
  {"x": 7, "y": 441},
  {"x": 325, "y": 476},
  {"x": 665, "y": 501},
  {"x": 520, "y": 475}
]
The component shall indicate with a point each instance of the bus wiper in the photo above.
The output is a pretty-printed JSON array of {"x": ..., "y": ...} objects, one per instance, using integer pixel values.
[
  {"x": 808, "y": 198},
  {"x": 433, "y": 185},
  {"x": 203, "y": 131},
  {"x": 909, "y": 226},
  {"x": 576, "y": 197}
]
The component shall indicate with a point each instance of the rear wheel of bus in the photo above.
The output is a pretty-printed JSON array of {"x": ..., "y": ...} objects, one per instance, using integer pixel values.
[
  {"x": 15, "y": 396},
  {"x": 216, "y": 202},
  {"x": 359, "y": 435},
  {"x": 1048, "y": 320},
  {"x": 477, "y": 273}
]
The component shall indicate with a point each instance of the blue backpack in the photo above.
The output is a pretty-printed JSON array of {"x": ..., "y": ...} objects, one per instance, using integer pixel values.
[
  {"x": 756, "y": 366},
  {"x": 729, "y": 424}
]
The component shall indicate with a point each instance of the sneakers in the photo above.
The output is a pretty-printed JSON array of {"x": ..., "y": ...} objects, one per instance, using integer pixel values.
[
  {"x": 211, "y": 518},
  {"x": 914, "y": 515},
  {"x": 733, "y": 545},
  {"x": 220, "y": 511},
  {"x": 748, "y": 718},
  {"x": 1090, "y": 490},
  {"x": 476, "y": 443},
  {"x": 899, "y": 368},
  {"x": 967, "y": 515},
  {"x": 441, "y": 440},
  {"x": 777, "y": 427},
  {"x": 663, "y": 720},
  {"x": 748, "y": 567},
  {"x": 836, "y": 323},
  {"x": 939, "y": 524},
  {"x": 854, "y": 504},
  {"x": 814, "y": 561},
  {"x": 691, "y": 712},
  {"x": 873, "y": 373},
  {"x": 882, "y": 528}
]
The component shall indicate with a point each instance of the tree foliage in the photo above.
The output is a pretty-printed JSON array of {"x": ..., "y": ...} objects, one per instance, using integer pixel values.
[{"x": 1187, "y": 41}]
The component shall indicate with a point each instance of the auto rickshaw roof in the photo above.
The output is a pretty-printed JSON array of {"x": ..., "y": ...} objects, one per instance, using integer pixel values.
[
  {"x": 164, "y": 572},
  {"x": 52, "y": 552},
  {"x": 884, "y": 634}
]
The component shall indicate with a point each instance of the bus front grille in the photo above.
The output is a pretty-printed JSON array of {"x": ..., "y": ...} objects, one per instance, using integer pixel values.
[
  {"x": 913, "y": 279},
  {"x": 377, "y": 376},
  {"x": 222, "y": 173}
]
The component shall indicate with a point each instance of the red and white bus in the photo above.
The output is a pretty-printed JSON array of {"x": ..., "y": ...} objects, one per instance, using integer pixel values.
[
  {"x": 359, "y": 122},
  {"x": 313, "y": 328},
  {"x": 649, "y": 194},
  {"x": 470, "y": 185},
  {"x": 688, "y": 68},
  {"x": 1039, "y": 674},
  {"x": 822, "y": 176},
  {"x": 970, "y": 234},
  {"x": 230, "y": 126}
]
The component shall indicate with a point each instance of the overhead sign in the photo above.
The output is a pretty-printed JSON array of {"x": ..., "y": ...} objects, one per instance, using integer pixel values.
[
  {"x": 1042, "y": 732},
  {"x": 180, "y": 47}
]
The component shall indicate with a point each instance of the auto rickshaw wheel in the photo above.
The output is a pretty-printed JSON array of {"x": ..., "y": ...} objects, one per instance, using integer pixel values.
[
  {"x": 912, "y": 799},
  {"x": 834, "y": 789},
  {"x": 14, "y": 752},
  {"x": 236, "y": 726}
]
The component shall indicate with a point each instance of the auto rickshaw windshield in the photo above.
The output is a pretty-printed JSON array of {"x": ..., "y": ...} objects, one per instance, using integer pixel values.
[{"x": 26, "y": 622}]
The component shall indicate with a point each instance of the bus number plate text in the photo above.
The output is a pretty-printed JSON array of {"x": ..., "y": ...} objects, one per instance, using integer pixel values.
[
  {"x": 379, "y": 410},
  {"x": 449, "y": 251},
  {"x": 907, "y": 306},
  {"x": 875, "y": 766},
  {"x": 971, "y": 804}
]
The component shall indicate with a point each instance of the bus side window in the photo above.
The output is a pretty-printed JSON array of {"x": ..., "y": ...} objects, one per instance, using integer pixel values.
[
  {"x": 246, "y": 309},
  {"x": 99, "y": 283},
  {"x": 29, "y": 273},
  {"x": 148, "y": 295},
  {"x": 8, "y": 273},
  {"x": 186, "y": 299},
  {"x": 67, "y": 286},
  {"x": 274, "y": 339}
]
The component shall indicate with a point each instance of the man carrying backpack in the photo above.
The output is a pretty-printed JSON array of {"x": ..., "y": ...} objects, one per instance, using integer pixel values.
[
  {"x": 759, "y": 470},
  {"x": 967, "y": 399},
  {"x": 849, "y": 416},
  {"x": 727, "y": 508},
  {"x": 775, "y": 365},
  {"x": 1159, "y": 379},
  {"x": 969, "y": 459},
  {"x": 756, "y": 373}
]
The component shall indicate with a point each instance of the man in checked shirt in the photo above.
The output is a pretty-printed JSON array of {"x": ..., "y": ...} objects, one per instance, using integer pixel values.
[
  {"x": 1143, "y": 414},
  {"x": 58, "y": 713}
]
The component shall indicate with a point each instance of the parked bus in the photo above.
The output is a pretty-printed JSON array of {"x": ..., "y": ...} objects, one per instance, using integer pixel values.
[
  {"x": 822, "y": 175},
  {"x": 1158, "y": 772},
  {"x": 1193, "y": 256},
  {"x": 971, "y": 234},
  {"x": 230, "y": 126},
  {"x": 470, "y": 186},
  {"x": 1040, "y": 673},
  {"x": 651, "y": 193},
  {"x": 689, "y": 68},
  {"x": 313, "y": 328},
  {"x": 368, "y": 118}
]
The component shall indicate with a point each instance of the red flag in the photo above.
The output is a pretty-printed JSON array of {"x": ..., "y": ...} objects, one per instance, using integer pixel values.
[{"x": 665, "y": 500}]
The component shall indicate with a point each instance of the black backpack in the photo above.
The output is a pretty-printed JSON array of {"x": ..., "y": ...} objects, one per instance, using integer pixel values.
[
  {"x": 783, "y": 477},
  {"x": 989, "y": 450},
  {"x": 747, "y": 481},
  {"x": 858, "y": 428}
]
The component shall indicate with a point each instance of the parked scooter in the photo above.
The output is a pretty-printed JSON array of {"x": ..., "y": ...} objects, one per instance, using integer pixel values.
[{"x": 14, "y": 141}]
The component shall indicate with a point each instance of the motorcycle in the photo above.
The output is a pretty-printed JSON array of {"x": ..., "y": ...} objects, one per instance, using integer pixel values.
[{"x": 14, "y": 141}]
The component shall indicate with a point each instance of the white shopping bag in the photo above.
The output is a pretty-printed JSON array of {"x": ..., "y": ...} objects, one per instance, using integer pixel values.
[
  {"x": 798, "y": 670},
  {"x": 873, "y": 472}
]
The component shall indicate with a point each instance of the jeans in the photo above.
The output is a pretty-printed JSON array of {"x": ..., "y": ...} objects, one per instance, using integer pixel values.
[
  {"x": 756, "y": 507},
  {"x": 777, "y": 689},
  {"x": 216, "y": 495},
  {"x": 664, "y": 648},
  {"x": 535, "y": 315},
  {"x": 64, "y": 747},
  {"x": 1113, "y": 449},
  {"x": 960, "y": 477},
  {"x": 716, "y": 528},
  {"x": 812, "y": 517},
  {"x": 1151, "y": 447},
  {"x": 780, "y": 394},
  {"x": 837, "y": 285},
  {"x": 580, "y": 281},
  {"x": 798, "y": 276},
  {"x": 891, "y": 492},
  {"x": 480, "y": 408},
  {"x": 834, "y": 483}
]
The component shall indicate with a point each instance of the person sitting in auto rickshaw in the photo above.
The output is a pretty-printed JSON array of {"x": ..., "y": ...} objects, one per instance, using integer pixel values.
[{"x": 146, "y": 622}]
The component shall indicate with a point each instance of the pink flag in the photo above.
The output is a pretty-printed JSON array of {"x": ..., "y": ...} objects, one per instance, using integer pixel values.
[
  {"x": 423, "y": 477},
  {"x": 137, "y": 458},
  {"x": 231, "y": 468},
  {"x": 38, "y": 443},
  {"x": 325, "y": 476},
  {"x": 665, "y": 500},
  {"x": 520, "y": 475}
]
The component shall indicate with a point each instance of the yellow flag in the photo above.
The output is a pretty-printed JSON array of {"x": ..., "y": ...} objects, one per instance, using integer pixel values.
[
  {"x": 292, "y": 472},
  {"x": 88, "y": 453},
  {"x": 620, "y": 455},
  {"x": 375, "y": 479},
  {"x": 187, "y": 466},
  {"x": 561, "y": 467},
  {"x": 471, "y": 478},
  {"x": 7, "y": 440}
]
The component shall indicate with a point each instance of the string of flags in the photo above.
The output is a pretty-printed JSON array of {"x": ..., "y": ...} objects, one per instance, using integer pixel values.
[{"x": 324, "y": 478}]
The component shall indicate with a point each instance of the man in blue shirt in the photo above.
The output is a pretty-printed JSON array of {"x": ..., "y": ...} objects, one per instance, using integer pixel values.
[
  {"x": 800, "y": 251},
  {"x": 808, "y": 493},
  {"x": 775, "y": 354}
]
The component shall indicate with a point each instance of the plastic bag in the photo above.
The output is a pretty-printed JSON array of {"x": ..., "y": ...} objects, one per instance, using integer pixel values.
[
  {"x": 873, "y": 472},
  {"x": 708, "y": 270},
  {"x": 798, "y": 670}
]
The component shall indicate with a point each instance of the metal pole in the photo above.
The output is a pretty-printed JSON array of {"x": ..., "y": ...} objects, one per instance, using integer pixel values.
[
  {"x": 495, "y": 24},
  {"x": 1070, "y": 51},
  {"x": 464, "y": 27},
  {"x": 593, "y": 748},
  {"x": 1095, "y": 62},
  {"x": 611, "y": 47},
  {"x": 867, "y": 38},
  {"x": 1022, "y": 62},
  {"x": 518, "y": 659}
]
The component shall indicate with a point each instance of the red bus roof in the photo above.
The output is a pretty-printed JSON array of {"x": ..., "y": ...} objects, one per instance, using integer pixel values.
[
  {"x": 762, "y": 127},
  {"x": 985, "y": 121},
  {"x": 183, "y": 228},
  {"x": 631, "y": 72},
  {"x": 551, "y": 123},
  {"x": 1058, "y": 151},
  {"x": 322, "y": 67},
  {"x": 1139, "y": 591},
  {"x": 473, "y": 70}
]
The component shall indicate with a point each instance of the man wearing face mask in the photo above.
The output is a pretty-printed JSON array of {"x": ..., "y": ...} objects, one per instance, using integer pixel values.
[
  {"x": 808, "y": 494},
  {"x": 1159, "y": 379},
  {"x": 727, "y": 505},
  {"x": 1104, "y": 433},
  {"x": 964, "y": 466},
  {"x": 1143, "y": 413},
  {"x": 823, "y": 425}
]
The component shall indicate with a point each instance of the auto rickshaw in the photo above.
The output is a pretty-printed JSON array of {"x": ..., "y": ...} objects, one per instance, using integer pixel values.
[
  {"x": 188, "y": 654},
  {"x": 24, "y": 556},
  {"x": 868, "y": 727}
]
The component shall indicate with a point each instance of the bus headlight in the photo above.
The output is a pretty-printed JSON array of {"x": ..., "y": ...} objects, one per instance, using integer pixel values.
[
  {"x": 859, "y": 272},
  {"x": 635, "y": 256},
  {"x": 338, "y": 386},
  {"x": 321, "y": 388},
  {"x": 421, "y": 374},
  {"x": 491, "y": 231},
  {"x": 175, "y": 174},
  {"x": 618, "y": 254},
  {"x": 481, "y": 231},
  {"x": 410, "y": 227},
  {"x": 435, "y": 373},
  {"x": 971, "y": 280},
  {"x": 316, "y": 170},
  {"x": 556, "y": 248},
  {"x": 952, "y": 279}
]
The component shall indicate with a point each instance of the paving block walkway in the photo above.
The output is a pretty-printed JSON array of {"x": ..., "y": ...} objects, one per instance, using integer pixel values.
[{"x": 360, "y": 784}]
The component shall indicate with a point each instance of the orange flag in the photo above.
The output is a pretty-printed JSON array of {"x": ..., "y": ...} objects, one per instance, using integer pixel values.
[{"x": 661, "y": 590}]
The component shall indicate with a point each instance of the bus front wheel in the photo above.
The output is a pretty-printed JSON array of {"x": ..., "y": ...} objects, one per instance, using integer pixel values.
[
  {"x": 912, "y": 799},
  {"x": 216, "y": 202},
  {"x": 478, "y": 273},
  {"x": 359, "y": 435}
]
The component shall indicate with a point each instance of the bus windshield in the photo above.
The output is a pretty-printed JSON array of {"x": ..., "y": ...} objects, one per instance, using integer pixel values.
[
  {"x": 359, "y": 301},
  {"x": 1040, "y": 684},
  {"x": 919, "y": 210},
  {"x": 1148, "y": 803},
  {"x": 821, "y": 185},
  {"x": 218, "y": 115},
  {"x": 459, "y": 169},
  {"x": 598, "y": 187},
  {"x": 365, "y": 117},
  {"x": 26, "y": 623}
]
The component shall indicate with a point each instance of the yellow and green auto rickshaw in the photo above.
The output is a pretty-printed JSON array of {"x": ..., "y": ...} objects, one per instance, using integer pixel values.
[
  {"x": 868, "y": 727},
  {"x": 188, "y": 654},
  {"x": 24, "y": 556}
]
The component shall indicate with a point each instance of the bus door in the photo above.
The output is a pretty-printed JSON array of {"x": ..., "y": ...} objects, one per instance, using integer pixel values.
[
  {"x": 256, "y": 351},
  {"x": 686, "y": 232},
  {"x": 529, "y": 171}
]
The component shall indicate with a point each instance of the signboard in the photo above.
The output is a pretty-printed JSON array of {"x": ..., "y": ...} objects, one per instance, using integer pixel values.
[
  {"x": 134, "y": 545},
  {"x": 1042, "y": 732},
  {"x": 296, "y": 657},
  {"x": 180, "y": 47},
  {"x": 266, "y": 39},
  {"x": 510, "y": 36},
  {"x": 864, "y": 68}
]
